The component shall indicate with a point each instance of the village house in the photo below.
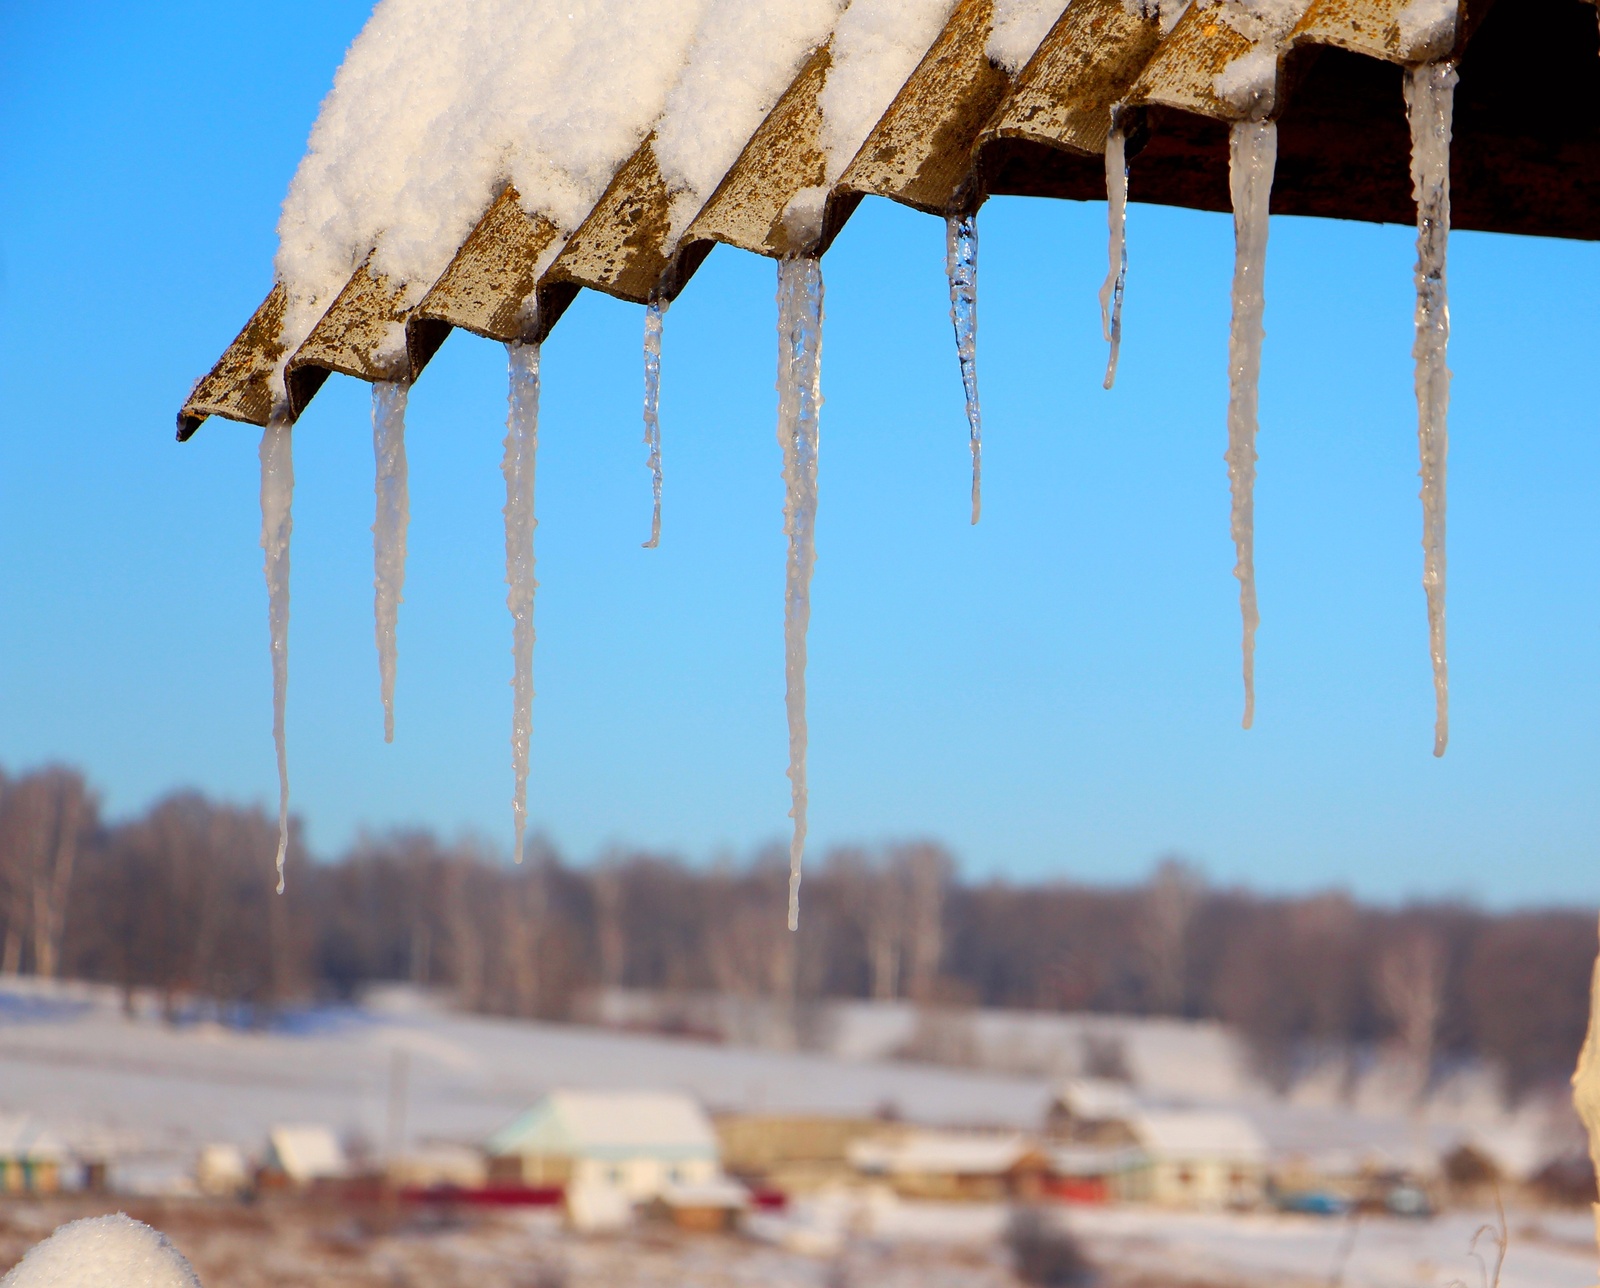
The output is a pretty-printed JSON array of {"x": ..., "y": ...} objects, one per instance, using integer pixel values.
[
  {"x": 31, "y": 1157},
  {"x": 636, "y": 1144},
  {"x": 1198, "y": 1158},
  {"x": 300, "y": 1155},
  {"x": 951, "y": 1165}
]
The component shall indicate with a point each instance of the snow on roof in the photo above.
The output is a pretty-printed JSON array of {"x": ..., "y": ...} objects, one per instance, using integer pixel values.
[
  {"x": 435, "y": 108},
  {"x": 946, "y": 1153},
  {"x": 610, "y": 1125},
  {"x": 1199, "y": 1134},
  {"x": 1097, "y": 1099},
  {"x": 102, "y": 1251},
  {"x": 1093, "y": 1160},
  {"x": 306, "y": 1152},
  {"x": 719, "y": 1193},
  {"x": 744, "y": 56},
  {"x": 25, "y": 1137}
]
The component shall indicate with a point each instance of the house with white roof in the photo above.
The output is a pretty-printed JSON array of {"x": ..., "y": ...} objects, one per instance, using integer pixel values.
[
  {"x": 31, "y": 1157},
  {"x": 931, "y": 1164},
  {"x": 641, "y": 1143},
  {"x": 304, "y": 1152},
  {"x": 1203, "y": 1158}
]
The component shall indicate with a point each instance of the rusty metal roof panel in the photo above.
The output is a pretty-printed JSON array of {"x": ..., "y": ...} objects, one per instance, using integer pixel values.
[
  {"x": 487, "y": 286},
  {"x": 1183, "y": 72},
  {"x": 1088, "y": 63},
  {"x": 1370, "y": 27},
  {"x": 783, "y": 158},
  {"x": 921, "y": 153},
  {"x": 239, "y": 387},
  {"x": 1526, "y": 158},
  {"x": 623, "y": 247}
]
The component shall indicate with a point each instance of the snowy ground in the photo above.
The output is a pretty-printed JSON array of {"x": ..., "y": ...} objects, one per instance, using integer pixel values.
[
  {"x": 146, "y": 1095},
  {"x": 287, "y": 1244}
]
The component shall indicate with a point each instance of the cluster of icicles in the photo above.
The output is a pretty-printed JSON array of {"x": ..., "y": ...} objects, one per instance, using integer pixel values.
[{"x": 1252, "y": 159}]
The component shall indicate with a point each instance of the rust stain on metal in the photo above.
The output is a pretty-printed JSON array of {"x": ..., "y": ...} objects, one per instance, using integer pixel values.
[
  {"x": 487, "y": 287},
  {"x": 1370, "y": 27},
  {"x": 363, "y": 334},
  {"x": 1089, "y": 61},
  {"x": 1525, "y": 159},
  {"x": 782, "y": 158},
  {"x": 621, "y": 246},
  {"x": 239, "y": 387},
  {"x": 1183, "y": 72},
  {"x": 920, "y": 153}
]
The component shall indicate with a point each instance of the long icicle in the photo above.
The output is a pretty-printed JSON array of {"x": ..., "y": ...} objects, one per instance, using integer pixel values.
[
  {"x": 654, "y": 314},
  {"x": 799, "y": 407},
  {"x": 1252, "y": 158},
  {"x": 389, "y": 530},
  {"x": 1117, "y": 270},
  {"x": 522, "y": 442},
  {"x": 277, "y": 523},
  {"x": 961, "y": 265},
  {"x": 1430, "y": 96}
]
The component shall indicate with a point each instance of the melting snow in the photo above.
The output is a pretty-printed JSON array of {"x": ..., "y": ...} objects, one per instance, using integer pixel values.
[
  {"x": 654, "y": 315},
  {"x": 277, "y": 523},
  {"x": 799, "y": 408},
  {"x": 1117, "y": 272},
  {"x": 961, "y": 264},
  {"x": 389, "y": 530},
  {"x": 1430, "y": 96},
  {"x": 1252, "y": 156},
  {"x": 522, "y": 443}
]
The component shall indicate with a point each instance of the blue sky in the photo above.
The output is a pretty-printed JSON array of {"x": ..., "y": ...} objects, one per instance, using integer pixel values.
[{"x": 1053, "y": 693}]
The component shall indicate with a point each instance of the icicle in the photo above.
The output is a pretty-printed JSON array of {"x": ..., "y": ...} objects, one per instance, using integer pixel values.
[
  {"x": 1117, "y": 272},
  {"x": 961, "y": 264},
  {"x": 277, "y": 522},
  {"x": 522, "y": 442},
  {"x": 799, "y": 405},
  {"x": 1252, "y": 157},
  {"x": 654, "y": 313},
  {"x": 1430, "y": 95},
  {"x": 389, "y": 530}
]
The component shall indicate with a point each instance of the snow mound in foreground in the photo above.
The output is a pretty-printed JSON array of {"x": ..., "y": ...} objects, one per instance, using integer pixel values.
[{"x": 103, "y": 1252}]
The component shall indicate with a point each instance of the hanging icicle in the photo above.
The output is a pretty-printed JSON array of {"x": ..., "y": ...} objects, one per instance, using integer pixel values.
[
  {"x": 1117, "y": 270},
  {"x": 1430, "y": 96},
  {"x": 1252, "y": 158},
  {"x": 655, "y": 312},
  {"x": 389, "y": 530},
  {"x": 799, "y": 408},
  {"x": 961, "y": 265},
  {"x": 522, "y": 443},
  {"x": 277, "y": 523}
]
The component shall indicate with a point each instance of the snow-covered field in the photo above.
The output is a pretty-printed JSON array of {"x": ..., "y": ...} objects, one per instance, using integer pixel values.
[
  {"x": 146, "y": 1095},
  {"x": 140, "y": 1089}
]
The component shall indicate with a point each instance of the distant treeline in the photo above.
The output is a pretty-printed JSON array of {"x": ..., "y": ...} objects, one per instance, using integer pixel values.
[{"x": 180, "y": 900}]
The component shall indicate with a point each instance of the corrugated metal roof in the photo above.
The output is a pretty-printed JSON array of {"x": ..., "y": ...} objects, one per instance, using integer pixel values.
[{"x": 1525, "y": 159}]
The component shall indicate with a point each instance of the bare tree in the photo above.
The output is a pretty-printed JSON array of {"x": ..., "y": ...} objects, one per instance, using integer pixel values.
[
  {"x": 43, "y": 818},
  {"x": 1410, "y": 987},
  {"x": 1167, "y": 906}
]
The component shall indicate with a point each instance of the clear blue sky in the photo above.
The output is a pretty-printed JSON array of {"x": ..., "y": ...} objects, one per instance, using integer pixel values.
[{"x": 1055, "y": 692}]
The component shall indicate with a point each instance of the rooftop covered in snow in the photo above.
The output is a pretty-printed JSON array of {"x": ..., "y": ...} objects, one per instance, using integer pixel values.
[{"x": 478, "y": 173}]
